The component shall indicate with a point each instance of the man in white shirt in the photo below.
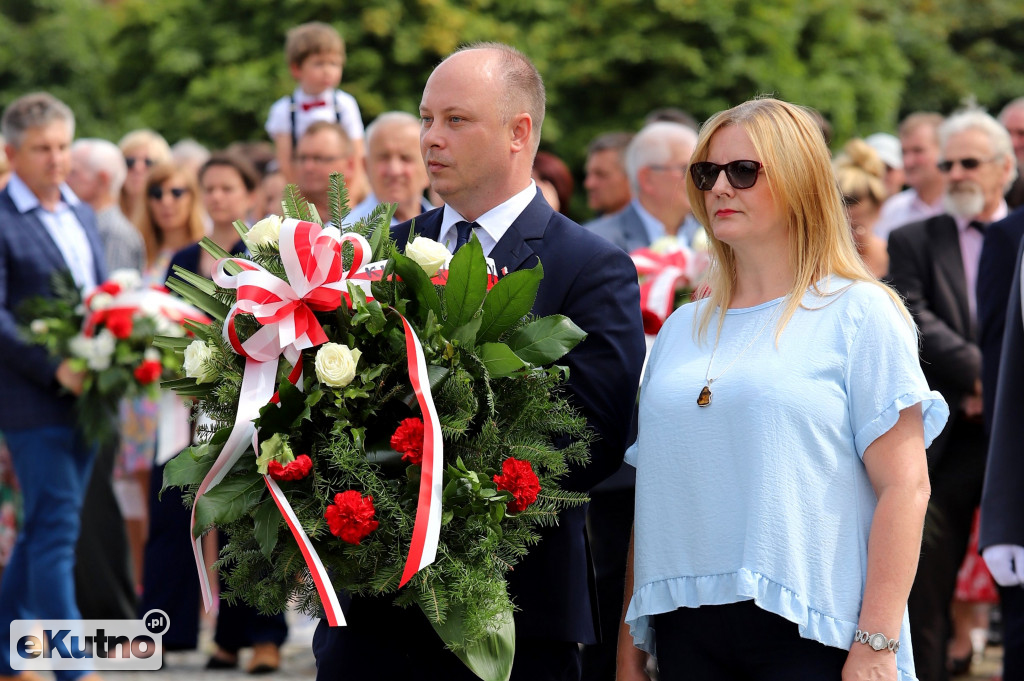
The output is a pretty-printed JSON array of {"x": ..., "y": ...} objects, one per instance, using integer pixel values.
[
  {"x": 394, "y": 167},
  {"x": 919, "y": 139}
]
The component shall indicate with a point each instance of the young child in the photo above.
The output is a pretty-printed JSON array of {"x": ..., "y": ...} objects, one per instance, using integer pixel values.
[{"x": 316, "y": 55}]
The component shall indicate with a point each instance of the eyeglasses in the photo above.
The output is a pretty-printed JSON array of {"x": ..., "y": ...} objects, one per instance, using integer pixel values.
[
  {"x": 967, "y": 163},
  {"x": 130, "y": 161},
  {"x": 741, "y": 174},
  {"x": 157, "y": 192},
  {"x": 681, "y": 168},
  {"x": 319, "y": 160}
]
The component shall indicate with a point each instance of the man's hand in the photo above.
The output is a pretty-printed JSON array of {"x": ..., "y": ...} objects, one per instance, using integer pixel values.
[
  {"x": 1006, "y": 563},
  {"x": 72, "y": 380}
]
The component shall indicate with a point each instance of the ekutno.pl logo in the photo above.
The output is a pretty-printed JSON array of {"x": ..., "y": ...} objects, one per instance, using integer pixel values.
[{"x": 53, "y": 645}]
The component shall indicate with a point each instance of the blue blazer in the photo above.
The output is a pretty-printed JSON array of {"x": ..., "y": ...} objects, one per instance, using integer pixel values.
[
  {"x": 625, "y": 229},
  {"x": 595, "y": 284},
  {"x": 30, "y": 396},
  {"x": 1002, "y": 333}
]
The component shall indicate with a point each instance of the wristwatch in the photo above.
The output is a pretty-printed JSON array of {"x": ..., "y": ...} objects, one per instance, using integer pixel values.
[{"x": 877, "y": 641}]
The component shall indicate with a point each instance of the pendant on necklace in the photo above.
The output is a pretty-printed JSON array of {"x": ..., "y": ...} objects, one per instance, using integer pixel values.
[{"x": 704, "y": 399}]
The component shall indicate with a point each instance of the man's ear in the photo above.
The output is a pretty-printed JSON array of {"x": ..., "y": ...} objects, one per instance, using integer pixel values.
[
  {"x": 521, "y": 128},
  {"x": 295, "y": 70}
]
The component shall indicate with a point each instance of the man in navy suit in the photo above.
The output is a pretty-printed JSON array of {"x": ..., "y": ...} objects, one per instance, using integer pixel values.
[
  {"x": 44, "y": 228},
  {"x": 482, "y": 111}
]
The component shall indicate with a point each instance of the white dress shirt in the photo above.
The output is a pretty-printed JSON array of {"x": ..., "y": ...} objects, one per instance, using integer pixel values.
[{"x": 493, "y": 224}]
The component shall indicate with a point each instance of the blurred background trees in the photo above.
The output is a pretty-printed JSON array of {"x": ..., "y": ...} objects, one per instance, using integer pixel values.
[{"x": 209, "y": 69}]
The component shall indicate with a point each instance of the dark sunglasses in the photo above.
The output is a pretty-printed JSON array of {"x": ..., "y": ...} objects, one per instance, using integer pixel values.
[
  {"x": 130, "y": 161},
  {"x": 967, "y": 163},
  {"x": 157, "y": 193},
  {"x": 741, "y": 174}
]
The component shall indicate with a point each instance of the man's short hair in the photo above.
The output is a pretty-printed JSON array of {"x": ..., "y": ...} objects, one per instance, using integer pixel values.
[
  {"x": 389, "y": 118},
  {"x": 611, "y": 141},
  {"x": 524, "y": 88},
  {"x": 920, "y": 119},
  {"x": 1012, "y": 105},
  {"x": 33, "y": 110},
  {"x": 319, "y": 126},
  {"x": 650, "y": 147},
  {"x": 103, "y": 156},
  {"x": 315, "y": 37}
]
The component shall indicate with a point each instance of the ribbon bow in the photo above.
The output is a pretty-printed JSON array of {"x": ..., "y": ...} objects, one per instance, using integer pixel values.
[{"x": 315, "y": 104}]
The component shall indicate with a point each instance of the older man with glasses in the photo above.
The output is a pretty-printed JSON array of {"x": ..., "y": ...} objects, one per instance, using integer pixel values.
[
  {"x": 323, "y": 149},
  {"x": 934, "y": 265}
]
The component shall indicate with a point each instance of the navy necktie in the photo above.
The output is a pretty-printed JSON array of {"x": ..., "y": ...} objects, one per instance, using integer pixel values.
[
  {"x": 464, "y": 230},
  {"x": 978, "y": 225}
]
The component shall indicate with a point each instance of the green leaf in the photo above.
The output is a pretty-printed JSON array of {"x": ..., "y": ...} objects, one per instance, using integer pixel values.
[
  {"x": 546, "y": 340},
  {"x": 280, "y": 417},
  {"x": 190, "y": 466},
  {"x": 273, "y": 449},
  {"x": 467, "y": 333},
  {"x": 489, "y": 658},
  {"x": 500, "y": 360},
  {"x": 228, "y": 501},
  {"x": 200, "y": 299},
  {"x": 435, "y": 376},
  {"x": 173, "y": 343},
  {"x": 267, "y": 520},
  {"x": 508, "y": 301},
  {"x": 415, "y": 279},
  {"x": 467, "y": 284}
]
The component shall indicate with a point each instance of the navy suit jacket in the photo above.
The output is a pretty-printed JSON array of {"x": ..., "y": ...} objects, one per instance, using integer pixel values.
[
  {"x": 925, "y": 266},
  {"x": 625, "y": 229},
  {"x": 1002, "y": 329},
  {"x": 29, "y": 394},
  {"x": 595, "y": 284}
]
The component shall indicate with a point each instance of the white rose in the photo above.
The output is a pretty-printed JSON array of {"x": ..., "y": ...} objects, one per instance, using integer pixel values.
[
  {"x": 127, "y": 279},
  {"x": 100, "y": 301},
  {"x": 198, "y": 356},
  {"x": 81, "y": 346},
  {"x": 39, "y": 326},
  {"x": 266, "y": 232},
  {"x": 428, "y": 254},
  {"x": 151, "y": 354},
  {"x": 103, "y": 346},
  {"x": 336, "y": 364}
]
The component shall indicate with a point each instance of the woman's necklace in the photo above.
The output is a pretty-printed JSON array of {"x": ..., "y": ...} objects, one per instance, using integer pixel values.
[{"x": 704, "y": 399}]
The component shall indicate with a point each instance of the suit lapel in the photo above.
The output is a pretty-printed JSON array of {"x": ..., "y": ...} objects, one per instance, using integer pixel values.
[
  {"x": 635, "y": 232},
  {"x": 513, "y": 250},
  {"x": 948, "y": 259}
]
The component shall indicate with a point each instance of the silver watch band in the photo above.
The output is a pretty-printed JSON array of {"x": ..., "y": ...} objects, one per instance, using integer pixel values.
[{"x": 877, "y": 641}]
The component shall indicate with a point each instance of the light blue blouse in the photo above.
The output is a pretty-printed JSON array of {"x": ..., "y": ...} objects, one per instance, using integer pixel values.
[{"x": 763, "y": 494}]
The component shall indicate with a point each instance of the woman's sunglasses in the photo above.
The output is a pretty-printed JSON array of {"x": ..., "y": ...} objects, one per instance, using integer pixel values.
[
  {"x": 157, "y": 193},
  {"x": 741, "y": 174},
  {"x": 130, "y": 161}
]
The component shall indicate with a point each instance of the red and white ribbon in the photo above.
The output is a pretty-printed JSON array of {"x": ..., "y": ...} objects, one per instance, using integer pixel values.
[
  {"x": 147, "y": 301},
  {"x": 317, "y": 281},
  {"x": 661, "y": 274}
]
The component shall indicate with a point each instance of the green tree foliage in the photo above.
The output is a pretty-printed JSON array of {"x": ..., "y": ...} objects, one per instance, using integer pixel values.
[{"x": 210, "y": 69}]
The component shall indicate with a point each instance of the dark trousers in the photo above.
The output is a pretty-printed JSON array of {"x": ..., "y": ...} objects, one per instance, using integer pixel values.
[
  {"x": 171, "y": 584},
  {"x": 956, "y": 480},
  {"x": 1011, "y": 601},
  {"x": 609, "y": 523},
  {"x": 103, "y": 576},
  {"x": 739, "y": 642},
  {"x": 383, "y": 641}
]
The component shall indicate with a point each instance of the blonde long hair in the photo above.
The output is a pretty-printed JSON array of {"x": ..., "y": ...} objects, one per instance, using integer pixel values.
[
  {"x": 152, "y": 235},
  {"x": 798, "y": 169}
]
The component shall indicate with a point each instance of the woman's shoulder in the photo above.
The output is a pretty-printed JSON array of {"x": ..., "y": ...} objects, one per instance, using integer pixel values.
[{"x": 863, "y": 306}]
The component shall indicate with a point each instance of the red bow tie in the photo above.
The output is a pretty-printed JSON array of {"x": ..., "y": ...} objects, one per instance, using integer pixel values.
[{"x": 306, "y": 106}]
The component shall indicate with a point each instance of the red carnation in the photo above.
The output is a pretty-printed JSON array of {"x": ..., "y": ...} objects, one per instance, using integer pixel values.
[
  {"x": 119, "y": 323},
  {"x": 148, "y": 371},
  {"x": 295, "y": 470},
  {"x": 111, "y": 287},
  {"x": 408, "y": 440},
  {"x": 518, "y": 478},
  {"x": 350, "y": 517},
  {"x": 652, "y": 322}
]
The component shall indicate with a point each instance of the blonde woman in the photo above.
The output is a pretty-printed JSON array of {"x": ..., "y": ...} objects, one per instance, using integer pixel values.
[
  {"x": 142, "y": 149},
  {"x": 861, "y": 176},
  {"x": 781, "y": 475}
]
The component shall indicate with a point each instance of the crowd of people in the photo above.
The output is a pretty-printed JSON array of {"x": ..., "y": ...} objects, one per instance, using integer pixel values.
[{"x": 800, "y": 490}]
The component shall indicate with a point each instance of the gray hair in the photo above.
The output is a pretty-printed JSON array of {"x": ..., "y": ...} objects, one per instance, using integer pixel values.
[
  {"x": 977, "y": 119},
  {"x": 1012, "y": 105},
  {"x": 188, "y": 151},
  {"x": 101, "y": 155},
  {"x": 651, "y": 146},
  {"x": 389, "y": 118},
  {"x": 34, "y": 110}
]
